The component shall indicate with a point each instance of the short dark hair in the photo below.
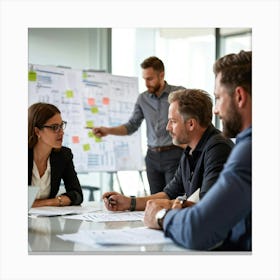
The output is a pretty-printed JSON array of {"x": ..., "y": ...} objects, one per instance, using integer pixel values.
[
  {"x": 236, "y": 70},
  {"x": 194, "y": 103},
  {"x": 38, "y": 114},
  {"x": 153, "y": 62}
]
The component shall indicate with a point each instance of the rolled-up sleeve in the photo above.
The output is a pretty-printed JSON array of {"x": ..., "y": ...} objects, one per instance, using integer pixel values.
[{"x": 136, "y": 118}]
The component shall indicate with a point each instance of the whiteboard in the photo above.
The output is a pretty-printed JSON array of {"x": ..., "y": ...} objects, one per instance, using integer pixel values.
[{"x": 88, "y": 99}]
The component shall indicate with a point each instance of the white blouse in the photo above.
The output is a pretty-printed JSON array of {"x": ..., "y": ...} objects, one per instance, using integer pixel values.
[{"x": 43, "y": 182}]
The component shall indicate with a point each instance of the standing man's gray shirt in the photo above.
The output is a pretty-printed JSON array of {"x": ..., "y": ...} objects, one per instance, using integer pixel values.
[{"x": 155, "y": 111}]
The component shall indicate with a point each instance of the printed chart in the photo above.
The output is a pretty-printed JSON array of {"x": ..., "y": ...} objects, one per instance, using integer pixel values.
[{"x": 89, "y": 99}]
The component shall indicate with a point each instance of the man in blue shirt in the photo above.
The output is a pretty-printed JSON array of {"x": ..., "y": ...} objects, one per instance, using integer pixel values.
[
  {"x": 162, "y": 158},
  {"x": 222, "y": 219}
]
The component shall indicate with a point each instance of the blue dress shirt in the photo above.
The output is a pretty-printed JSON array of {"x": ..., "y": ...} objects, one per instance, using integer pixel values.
[{"x": 224, "y": 213}]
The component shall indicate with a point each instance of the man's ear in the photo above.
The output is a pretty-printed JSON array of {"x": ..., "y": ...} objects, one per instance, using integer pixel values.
[
  {"x": 240, "y": 97},
  {"x": 191, "y": 123},
  {"x": 161, "y": 75}
]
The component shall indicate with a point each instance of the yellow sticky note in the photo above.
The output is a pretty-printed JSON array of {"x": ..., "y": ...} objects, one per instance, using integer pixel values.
[
  {"x": 85, "y": 75},
  {"x": 32, "y": 76},
  {"x": 97, "y": 139},
  {"x": 69, "y": 93},
  {"x": 94, "y": 110},
  {"x": 86, "y": 147},
  {"x": 90, "y": 134},
  {"x": 89, "y": 124}
]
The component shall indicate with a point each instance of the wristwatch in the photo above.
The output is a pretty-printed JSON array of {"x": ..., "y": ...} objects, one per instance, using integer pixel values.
[
  {"x": 132, "y": 203},
  {"x": 160, "y": 216}
]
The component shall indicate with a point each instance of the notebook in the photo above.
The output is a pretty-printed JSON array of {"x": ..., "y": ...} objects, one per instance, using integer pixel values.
[{"x": 32, "y": 192}]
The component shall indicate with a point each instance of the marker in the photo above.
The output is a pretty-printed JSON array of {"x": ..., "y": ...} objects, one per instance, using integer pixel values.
[{"x": 88, "y": 127}]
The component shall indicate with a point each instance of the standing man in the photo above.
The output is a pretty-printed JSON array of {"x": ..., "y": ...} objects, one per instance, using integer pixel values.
[
  {"x": 162, "y": 158},
  {"x": 222, "y": 219}
]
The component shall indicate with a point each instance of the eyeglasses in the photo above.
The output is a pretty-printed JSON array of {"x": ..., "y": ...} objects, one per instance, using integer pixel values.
[{"x": 56, "y": 127}]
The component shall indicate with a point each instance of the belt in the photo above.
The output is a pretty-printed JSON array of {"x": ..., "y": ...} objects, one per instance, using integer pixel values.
[{"x": 162, "y": 149}]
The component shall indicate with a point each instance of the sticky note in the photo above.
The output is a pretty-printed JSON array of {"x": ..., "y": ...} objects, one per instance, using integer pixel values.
[
  {"x": 69, "y": 93},
  {"x": 106, "y": 100},
  {"x": 86, "y": 147},
  {"x": 89, "y": 124},
  {"x": 94, "y": 110},
  {"x": 91, "y": 101},
  {"x": 85, "y": 75},
  {"x": 97, "y": 139},
  {"x": 32, "y": 76},
  {"x": 90, "y": 134},
  {"x": 75, "y": 139}
]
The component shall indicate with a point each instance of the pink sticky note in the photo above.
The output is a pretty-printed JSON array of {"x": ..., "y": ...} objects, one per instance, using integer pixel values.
[
  {"x": 91, "y": 101},
  {"x": 106, "y": 100},
  {"x": 75, "y": 139}
]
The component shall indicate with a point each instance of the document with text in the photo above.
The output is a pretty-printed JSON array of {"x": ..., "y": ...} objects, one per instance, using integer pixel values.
[
  {"x": 130, "y": 236},
  {"x": 109, "y": 216}
]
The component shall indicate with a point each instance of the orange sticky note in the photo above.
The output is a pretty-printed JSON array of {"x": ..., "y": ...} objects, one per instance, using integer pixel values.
[
  {"x": 75, "y": 139},
  {"x": 106, "y": 100},
  {"x": 91, "y": 101}
]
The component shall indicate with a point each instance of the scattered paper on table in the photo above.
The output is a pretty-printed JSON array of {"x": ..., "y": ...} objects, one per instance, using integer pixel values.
[
  {"x": 195, "y": 196},
  {"x": 109, "y": 216},
  {"x": 130, "y": 236},
  {"x": 61, "y": 211}
]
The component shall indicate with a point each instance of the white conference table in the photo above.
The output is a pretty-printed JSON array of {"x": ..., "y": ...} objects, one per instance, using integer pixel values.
[{"x": 43, "y": 231}]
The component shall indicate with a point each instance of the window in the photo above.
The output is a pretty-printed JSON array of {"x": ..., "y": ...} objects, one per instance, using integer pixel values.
[
  {"x": 234, "y": 40},
  {"x": 188, "y": 55}
]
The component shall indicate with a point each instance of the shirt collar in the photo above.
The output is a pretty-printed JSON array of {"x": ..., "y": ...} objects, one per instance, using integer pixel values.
[
  {"x": 200, "y": 145},
  {"x": 206, "y": 134},
  {"x": 246, "y": 133},
  {"x": 166, "y": 90}
]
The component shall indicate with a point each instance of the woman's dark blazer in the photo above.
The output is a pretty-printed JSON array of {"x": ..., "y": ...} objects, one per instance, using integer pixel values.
[{"x": 62, "y": 167}]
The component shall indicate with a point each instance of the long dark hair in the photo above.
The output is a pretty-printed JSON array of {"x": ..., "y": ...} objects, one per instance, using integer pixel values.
[{"x": 38, "y": 115}]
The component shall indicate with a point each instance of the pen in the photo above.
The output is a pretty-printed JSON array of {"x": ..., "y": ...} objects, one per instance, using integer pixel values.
[
  {"x": 111, "y": 201},
  {"x": 182, "y": 198},
  {"x": 88, "y": 127}
]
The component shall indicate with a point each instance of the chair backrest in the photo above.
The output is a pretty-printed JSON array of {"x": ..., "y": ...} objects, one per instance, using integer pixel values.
[{"x": 91, "y": 190}]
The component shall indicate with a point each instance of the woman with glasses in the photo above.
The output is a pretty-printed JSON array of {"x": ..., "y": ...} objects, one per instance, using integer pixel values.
[{"x": 48, "y": 160}]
